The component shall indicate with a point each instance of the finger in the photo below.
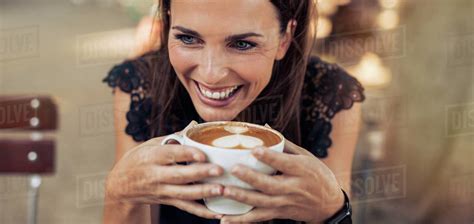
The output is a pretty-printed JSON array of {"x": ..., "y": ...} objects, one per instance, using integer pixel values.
[
  {"x": 171, "y": 154},
  {"x": 189, "y": 192},
  {"x": 255, "y": 198},
  {"x": 153, "y": 151},
  {"x": 278, "y": 184},
  {"x": 193, "y": 208},
  {"x": 183, "y": 174},
  {"x": 256, "y": 215},
  {"x": 284, "y": 162}
]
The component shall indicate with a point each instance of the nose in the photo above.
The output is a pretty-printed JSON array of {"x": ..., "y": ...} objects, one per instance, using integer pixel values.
[{"x": 213, "y": 66}]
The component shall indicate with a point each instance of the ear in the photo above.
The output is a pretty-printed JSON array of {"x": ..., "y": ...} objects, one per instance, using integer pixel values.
[{"x": 285, "y": 40}]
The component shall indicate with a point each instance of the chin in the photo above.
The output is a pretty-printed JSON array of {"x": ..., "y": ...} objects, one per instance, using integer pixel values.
[{"x": 214, "y": 114}]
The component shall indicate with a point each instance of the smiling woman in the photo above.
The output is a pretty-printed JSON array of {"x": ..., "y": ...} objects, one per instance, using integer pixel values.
[{"x": 217, "y": 61}]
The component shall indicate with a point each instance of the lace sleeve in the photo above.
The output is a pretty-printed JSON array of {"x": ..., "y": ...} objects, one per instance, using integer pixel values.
[
  {"x": 130, "y": 77},
  {"x": 327, "y": 90}
]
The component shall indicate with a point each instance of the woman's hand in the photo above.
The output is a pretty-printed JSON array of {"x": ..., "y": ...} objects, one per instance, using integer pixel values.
[
  {"x": 306, "y": 191},
  {"x": 148, "y": 174}
]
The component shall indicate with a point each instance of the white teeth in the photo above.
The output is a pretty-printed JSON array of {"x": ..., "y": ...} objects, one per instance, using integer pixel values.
[{"x": 217, "y": 95}]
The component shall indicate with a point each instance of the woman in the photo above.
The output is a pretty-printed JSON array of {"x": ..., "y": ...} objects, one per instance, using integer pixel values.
[{"x": 244, "y": 60}]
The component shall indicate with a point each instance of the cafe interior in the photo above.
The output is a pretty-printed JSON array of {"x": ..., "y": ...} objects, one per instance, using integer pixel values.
[{"x": 415, "y": 59}]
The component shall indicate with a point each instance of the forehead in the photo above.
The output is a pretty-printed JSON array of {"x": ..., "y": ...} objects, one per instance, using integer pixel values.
[{"x": 224, "y": 16}]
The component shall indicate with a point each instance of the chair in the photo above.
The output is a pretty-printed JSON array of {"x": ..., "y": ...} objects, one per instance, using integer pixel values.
[{"x": 24, "y": 147}]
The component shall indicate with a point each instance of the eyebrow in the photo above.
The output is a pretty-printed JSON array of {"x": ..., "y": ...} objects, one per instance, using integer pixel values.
[{"x": 227, "y": 39}]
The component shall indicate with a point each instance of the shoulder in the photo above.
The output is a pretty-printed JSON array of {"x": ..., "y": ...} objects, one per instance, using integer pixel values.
[
  {"x": 130, "y": 75},
  {"x": 327, "y": 90},
  {"x": 133, "y": 78},
  {"x": 332, "y": 86}
]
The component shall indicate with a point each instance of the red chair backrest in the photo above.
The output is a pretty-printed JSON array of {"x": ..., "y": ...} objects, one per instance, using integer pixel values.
[{"x": 27, "y": 114}]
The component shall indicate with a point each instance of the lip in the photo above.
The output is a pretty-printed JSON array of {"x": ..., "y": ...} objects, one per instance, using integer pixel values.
[
  {"x": 214, "y": 89},
  {"x": 215, "y": 103}
]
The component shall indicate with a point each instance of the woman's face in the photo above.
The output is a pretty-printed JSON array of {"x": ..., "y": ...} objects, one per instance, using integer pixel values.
[{"x": 223, "y": 52}]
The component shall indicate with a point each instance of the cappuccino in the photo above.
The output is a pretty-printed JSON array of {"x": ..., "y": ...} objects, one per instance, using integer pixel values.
[{"x": 234, "y": 136}]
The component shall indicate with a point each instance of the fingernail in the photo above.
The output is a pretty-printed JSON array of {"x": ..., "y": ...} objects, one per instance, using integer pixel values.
[
  {"x": 258, "y": 151},
  {"x": 214, "y": 171},
  {"x": 198, "y": 157},
  {"x": 217, "y": 190},
  {"x": 227, "y": 191},
  {"x": 236, "y": 169},
  {"x": 219, "y": 216}
]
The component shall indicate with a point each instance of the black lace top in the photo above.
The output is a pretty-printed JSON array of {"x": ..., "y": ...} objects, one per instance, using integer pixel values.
[{"x": 327, "y": 90}]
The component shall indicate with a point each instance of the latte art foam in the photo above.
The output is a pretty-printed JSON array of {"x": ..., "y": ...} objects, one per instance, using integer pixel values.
[
  {"x": 234, "y": 136},
  {"x": 237, "y": 141}
]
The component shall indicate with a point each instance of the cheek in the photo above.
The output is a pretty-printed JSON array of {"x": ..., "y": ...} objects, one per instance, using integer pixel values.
[
  {"x": 254, "y": 69},
  {"x": 180, "y": 59}
]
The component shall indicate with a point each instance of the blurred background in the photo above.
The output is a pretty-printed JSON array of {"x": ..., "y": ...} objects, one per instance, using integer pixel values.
[{"x": 415, "y": 58}]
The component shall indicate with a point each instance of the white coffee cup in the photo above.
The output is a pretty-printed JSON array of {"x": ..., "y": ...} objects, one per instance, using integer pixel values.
[{"x": 228, "y": 158}]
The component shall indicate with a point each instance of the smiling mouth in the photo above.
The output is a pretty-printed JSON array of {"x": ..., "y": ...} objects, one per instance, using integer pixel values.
[{"x": 221, "y": 94}]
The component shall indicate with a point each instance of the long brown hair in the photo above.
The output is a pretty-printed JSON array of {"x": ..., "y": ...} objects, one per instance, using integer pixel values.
[{"x": 169, "y": 96}]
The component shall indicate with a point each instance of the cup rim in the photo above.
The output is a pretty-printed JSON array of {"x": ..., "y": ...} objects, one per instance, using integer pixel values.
[{"x": 185, "y": 134}]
